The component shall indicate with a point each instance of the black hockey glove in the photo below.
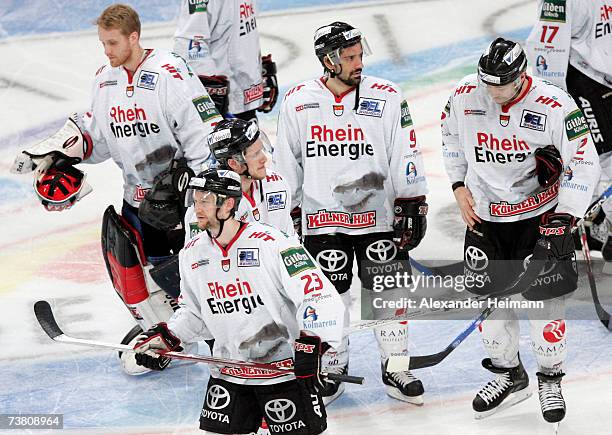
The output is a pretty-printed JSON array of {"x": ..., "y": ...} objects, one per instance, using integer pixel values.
[
  {"x": 296, "y": 216},
  {"x": 218, "y": 89},
  {"x": 159, "y": 338},
  {"x": 410, "y": 222},
  {"x": 270, "y": 85},
  {"x": 549, "y": 165},
  {"x": 307, "y": 361},
  {"x": 556, "y": 228},
  {"x": 163, "y": 205}
]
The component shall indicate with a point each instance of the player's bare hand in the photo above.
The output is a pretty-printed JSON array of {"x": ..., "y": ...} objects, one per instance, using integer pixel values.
[{"x": 466, "y": 205}]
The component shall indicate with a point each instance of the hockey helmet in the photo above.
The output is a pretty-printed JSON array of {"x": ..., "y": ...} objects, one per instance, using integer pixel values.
[
  {"x": 222, "y": 182},
  {"x": 231, "y": 137},
  {"x": 59, "y": 189},
  {"x": 502, "y": 62},
  {"x": 330, "y": 39}
]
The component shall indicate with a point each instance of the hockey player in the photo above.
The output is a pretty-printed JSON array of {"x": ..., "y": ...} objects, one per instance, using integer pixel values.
[
  {"x": 147, "y": 109},
  {"x": 522, "y": 165},
  {"x": 262, "y": 298},
  {"x": 571, "y": 46},
  {"x": 219, "y": 39},
  {"x": 242, "y": 147},
  {"x": 347, "y": 146}
]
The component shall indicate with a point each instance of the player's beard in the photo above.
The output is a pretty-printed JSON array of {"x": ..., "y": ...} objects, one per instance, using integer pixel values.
[
  {"x": 351, "y": 80},
  {"x": 122, "y": 58}
]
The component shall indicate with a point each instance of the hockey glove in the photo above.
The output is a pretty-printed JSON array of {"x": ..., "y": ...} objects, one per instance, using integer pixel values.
[
  {"x": 296, "y": 216},
  {"x": 549, "y": 165},
  {"x": 157, "y": 338},
  {"x": 307, "y": 361},
  {"x": 556, "y": 228},
  {"x": 410, "y": 222},
  {"x": 270, "y": 84},
  {"x": 218, "y": 88}
]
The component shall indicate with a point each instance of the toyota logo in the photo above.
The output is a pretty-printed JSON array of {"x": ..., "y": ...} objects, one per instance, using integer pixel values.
[
  {"x": 381, "y": 251},
  {"x": 217, "y": 397},
  {"x": 476, "y": 259},
  {"x": 546, "y": 270},
  {"x": 280, "y": 410},
  {"x": 332, "y": 260}
]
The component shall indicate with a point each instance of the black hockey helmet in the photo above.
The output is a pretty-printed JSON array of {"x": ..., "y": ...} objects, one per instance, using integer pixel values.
[
  {"x": 222, "y": 182},
  {"x": 331, "y": 38},
  {"x": 230, "y": 138},
  {"x": 502, "y": 62}
]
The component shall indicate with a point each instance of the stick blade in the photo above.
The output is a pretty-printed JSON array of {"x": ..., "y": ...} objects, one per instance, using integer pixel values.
[{"x": 44, "y": 315}]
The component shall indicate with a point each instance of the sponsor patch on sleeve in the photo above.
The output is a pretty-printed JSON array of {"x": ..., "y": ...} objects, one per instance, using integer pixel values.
[
  {"x": 196, "y": 6},
  {"x": 576, "y": 125},
  {"x": 553, "y": 10},
  {"x": 206, "y": 108},
  {"x": 296, "y": 260},
  {"x": 406, "y": 119}
]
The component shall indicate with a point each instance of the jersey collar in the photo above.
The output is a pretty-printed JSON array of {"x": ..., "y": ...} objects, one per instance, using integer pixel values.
[
  {"x": 225, "y": 250},
  {"x": 521, "y": 96},
  {"x": 130, "y": 74},
  {"x": 338, "y": 98}
]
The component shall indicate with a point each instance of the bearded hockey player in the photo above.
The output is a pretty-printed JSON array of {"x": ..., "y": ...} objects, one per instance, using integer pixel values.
[
  {"x": 571, "y": 46},
  {"x": 151, "y": 115},
  {"x": 523, "y": 166},
  {"x": 347, "y": 146},
  {"x": 266, "y": 198},
  {"x": 262, "y": 298},
  {"x": 219, "y": 39}
]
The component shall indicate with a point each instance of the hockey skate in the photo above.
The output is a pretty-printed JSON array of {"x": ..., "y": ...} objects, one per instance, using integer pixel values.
[
  {"x": 551, "y": 397},
  {"x": 403, "y": 386},
  {"x": 508, "y": 388},
  {"x": 333, "y": 389}
]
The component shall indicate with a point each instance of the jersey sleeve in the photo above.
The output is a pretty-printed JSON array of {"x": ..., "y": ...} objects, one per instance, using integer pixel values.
[
  {"x": 100, "y": 150},
  {"x": 580, "y": 159},
  {"x": 548, "y": 44},
  {"x": 319, "y": 307},
  {"x": 288, "y": 151},
  {"x": 186, "y": 322},
  {"x": 404, "y": 153},
  {"x": 453, "y": 154},
  {"x": 190, "y": 111}
]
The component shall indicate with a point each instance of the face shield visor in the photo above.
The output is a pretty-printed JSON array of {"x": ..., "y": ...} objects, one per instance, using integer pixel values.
[{"x": 335, "y": 56}]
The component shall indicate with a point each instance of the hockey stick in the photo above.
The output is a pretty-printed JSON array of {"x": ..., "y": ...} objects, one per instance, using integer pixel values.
[
  {"x": 603, "y": 315},
  {"x": 520, "y": 285},
  {"x": 47, "y": 321}
]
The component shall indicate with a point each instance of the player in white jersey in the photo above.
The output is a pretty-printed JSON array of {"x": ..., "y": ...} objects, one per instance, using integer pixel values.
[
  {"x": 220, "y": 41},
  {"x": 522, "y": 164},
  {"x": 262, "y": 298},
  {"x": 571, "y": 46},
  {"x": 148, "y": 113},
  {"x": 242, "y": 147},
  {"x": 347, "y": 147}
]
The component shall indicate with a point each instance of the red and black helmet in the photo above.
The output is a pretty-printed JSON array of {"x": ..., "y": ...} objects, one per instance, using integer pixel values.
[{"x": 58, "y": 189}]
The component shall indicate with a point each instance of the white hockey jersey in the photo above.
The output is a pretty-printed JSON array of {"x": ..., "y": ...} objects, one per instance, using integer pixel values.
[
  {"x": 574, "y": 31},
  {"x": 345, "y": 167},
  {"x": 268, "y": 202},
  {"x": 491, "y": 148},
  {"x": 143, "y": 120},
  {"x": 221, "y": 37},
  {"x": 253, "y": 297}
]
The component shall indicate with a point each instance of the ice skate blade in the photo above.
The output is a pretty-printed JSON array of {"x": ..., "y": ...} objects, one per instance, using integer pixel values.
[
  {"x": 327, "y": 400},
  {"x": 512, "y": 399},
  {"x": 396, "y": 394},
  {"x": 556, "y": 427}
]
